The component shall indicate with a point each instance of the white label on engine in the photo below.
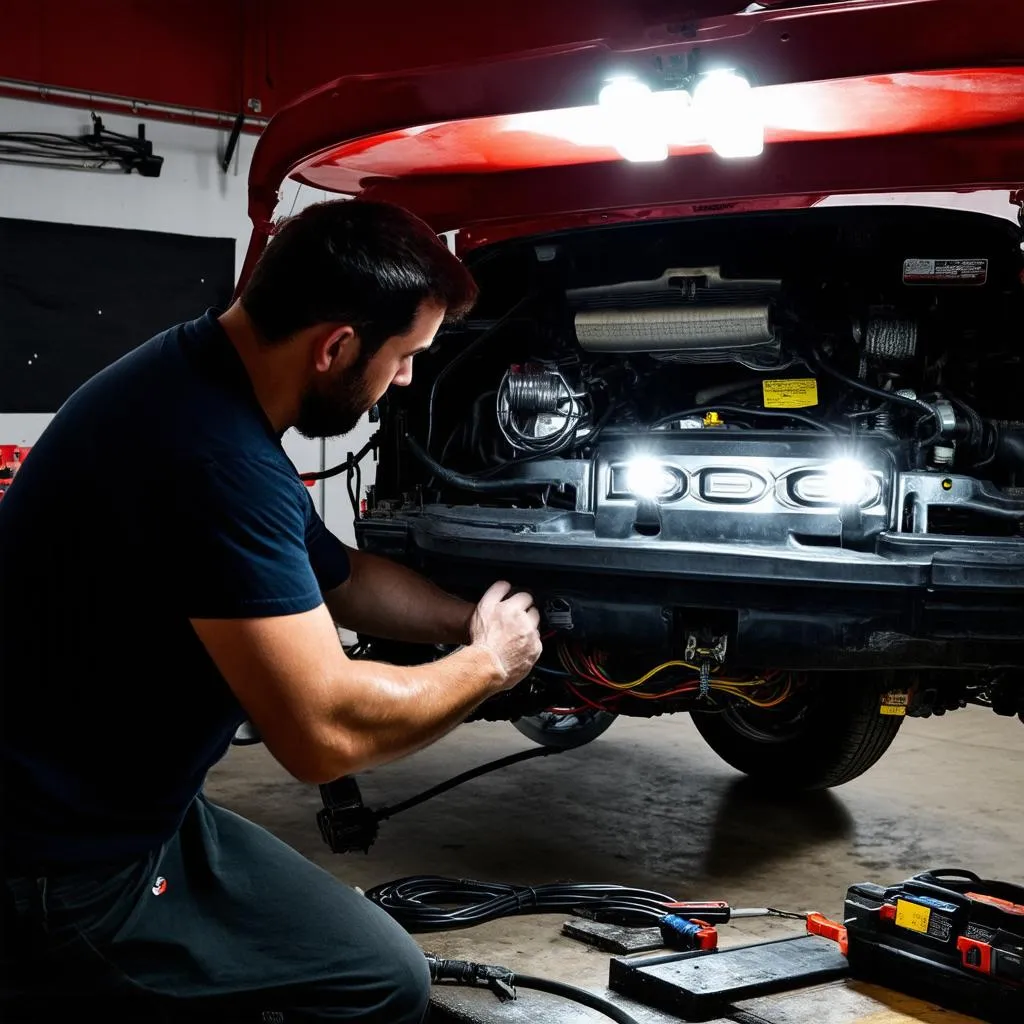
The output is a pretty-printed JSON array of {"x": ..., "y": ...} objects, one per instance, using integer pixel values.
[{"x": 945, "y": 271}]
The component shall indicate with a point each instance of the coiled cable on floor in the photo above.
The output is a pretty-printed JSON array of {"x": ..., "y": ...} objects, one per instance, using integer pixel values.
[{"x": 432, "y": 903}]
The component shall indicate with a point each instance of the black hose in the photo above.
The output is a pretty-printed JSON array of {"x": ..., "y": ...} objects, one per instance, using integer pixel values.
[
  {"x": 469, "y": 483},
  {"x": 492, "y": 766},
  {"x": 887, "y": 396},
  {"x": 577, "y": 995},
  {"x": 739, "y": 410},
  {"x": 503, "y": 983}
]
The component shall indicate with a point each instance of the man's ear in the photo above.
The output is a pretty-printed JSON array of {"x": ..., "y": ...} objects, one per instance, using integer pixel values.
[{"x": 335, "y": 347}]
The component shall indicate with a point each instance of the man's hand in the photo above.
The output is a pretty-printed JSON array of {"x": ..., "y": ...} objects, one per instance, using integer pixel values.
[{"x": 507, "y": 628}]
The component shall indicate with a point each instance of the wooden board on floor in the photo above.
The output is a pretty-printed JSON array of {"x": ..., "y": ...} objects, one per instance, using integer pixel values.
[
  {"x": 839, "y": 1002},
  {"x": 848, "y": 1002}
]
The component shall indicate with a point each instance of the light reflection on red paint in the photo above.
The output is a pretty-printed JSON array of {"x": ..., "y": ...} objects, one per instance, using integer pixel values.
[{"x": 915, "y": 102}]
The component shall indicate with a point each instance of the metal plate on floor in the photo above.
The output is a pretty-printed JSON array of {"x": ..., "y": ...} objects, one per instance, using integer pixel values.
[
  {"x": 698, "y": 986},
  {"x": 612, "y": 938}
]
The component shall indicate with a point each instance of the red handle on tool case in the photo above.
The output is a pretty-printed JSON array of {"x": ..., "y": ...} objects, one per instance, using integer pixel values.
[{"x": 819, "y": 924}]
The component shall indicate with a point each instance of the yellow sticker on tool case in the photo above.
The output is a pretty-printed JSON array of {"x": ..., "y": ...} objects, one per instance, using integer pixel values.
[
  {"x": 798, "y": 393},
  {"x": 912, "y": 916}
]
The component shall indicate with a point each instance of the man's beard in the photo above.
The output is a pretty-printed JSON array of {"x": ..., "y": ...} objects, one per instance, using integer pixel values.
[{"x": 334, "y": 407}]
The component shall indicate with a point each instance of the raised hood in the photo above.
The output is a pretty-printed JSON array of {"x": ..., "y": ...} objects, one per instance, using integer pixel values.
[{"x": 855, "y": 96}]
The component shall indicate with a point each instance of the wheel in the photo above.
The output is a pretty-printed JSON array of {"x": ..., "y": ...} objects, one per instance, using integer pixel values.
[
  {"x": 564, "y": 731},
  {"x": 829, "y": 733}
]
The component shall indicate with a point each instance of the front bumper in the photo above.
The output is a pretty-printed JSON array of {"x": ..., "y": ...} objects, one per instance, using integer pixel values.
[{"x": 915, "y": 601}]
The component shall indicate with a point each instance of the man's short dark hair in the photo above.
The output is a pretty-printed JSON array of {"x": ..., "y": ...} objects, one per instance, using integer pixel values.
[{"x": 370, "y": 265}]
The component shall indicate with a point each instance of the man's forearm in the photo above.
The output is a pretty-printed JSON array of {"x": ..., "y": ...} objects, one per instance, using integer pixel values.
[
  {"x": 388, "y": 600},
  {"x": 401, "y": 710}
]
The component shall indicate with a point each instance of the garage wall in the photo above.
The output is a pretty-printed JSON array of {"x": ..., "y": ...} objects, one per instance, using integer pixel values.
[{"x": 192, "y": 196}]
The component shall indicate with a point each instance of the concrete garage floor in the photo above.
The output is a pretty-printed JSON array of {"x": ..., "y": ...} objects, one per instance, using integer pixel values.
[{"x": 648, "y": 804}]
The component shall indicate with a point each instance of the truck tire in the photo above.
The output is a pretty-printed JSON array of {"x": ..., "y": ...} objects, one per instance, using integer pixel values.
[
  {"x": 831, "y": 733},
  {"x": 564, "y": 732}
]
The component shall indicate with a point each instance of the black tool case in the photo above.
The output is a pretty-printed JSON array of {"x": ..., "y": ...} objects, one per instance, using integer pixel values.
[{"x": 946, "y": 936}]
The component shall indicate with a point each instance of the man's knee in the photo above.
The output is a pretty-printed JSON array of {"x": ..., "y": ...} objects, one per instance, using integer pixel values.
[
  {"x": 391, "y": 986},
  {"x": 408, "y": 982}
]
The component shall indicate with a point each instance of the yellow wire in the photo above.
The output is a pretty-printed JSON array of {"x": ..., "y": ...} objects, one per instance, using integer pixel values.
[
  {"x": 650, "y": 675},
  {"x": 730, "y": 686}
]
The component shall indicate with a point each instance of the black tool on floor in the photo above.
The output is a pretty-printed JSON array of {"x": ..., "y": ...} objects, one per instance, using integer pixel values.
[
  {"x": 700, "y": 985},
  {"x": 948, "y": 936}
]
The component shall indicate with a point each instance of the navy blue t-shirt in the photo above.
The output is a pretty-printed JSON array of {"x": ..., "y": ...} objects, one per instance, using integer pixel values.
[{"x": 159, "y": 493}]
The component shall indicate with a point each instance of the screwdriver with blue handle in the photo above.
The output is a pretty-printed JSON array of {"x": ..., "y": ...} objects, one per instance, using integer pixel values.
[
  {"x": 684, "y": 925},
  {"x": 691, "y": 925}
]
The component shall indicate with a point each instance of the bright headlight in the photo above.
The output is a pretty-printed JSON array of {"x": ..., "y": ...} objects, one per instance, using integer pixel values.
[
  {"x": 650, "y": 480},
  {"x": 843, "y": 482},
  {"x": 728, "y": 108},
  {"x": 632, "y": 121}
]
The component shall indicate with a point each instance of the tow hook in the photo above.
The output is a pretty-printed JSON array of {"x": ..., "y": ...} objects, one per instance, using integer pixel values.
[{"x": 706, "y": 654}]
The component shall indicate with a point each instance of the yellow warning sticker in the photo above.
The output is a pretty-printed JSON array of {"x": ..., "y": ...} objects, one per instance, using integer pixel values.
[
  {"x": 912, "y": 916},
  {"x": 894, "y": 702},
  {"x": 798, "y": 393}
]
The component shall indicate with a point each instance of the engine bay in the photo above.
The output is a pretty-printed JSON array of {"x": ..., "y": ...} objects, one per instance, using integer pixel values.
[{"x": 895, "y": 335}]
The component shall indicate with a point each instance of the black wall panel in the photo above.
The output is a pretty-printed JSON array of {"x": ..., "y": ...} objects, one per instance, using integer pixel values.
[{"x": 73, "y": 299}]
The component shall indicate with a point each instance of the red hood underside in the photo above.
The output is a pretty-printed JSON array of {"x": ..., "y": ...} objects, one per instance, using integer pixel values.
[{"x": 857, "y": 96}]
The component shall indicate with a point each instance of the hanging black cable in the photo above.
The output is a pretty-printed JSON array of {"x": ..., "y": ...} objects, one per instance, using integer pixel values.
[
  {"x": 469, "y": 483},
  {"x": 343, "y": 467},
  {"x": 102, "y": 150}
]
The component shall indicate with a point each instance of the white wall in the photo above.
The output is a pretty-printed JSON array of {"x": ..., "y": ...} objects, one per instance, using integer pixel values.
[{"x": 192, "y": 196}]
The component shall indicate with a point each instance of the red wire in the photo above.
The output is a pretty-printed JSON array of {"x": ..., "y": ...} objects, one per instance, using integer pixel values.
[
  {"x": 579, "y": 696},
  {"x": 590, "y": 663},
  {"x": 583, "y": 674}
]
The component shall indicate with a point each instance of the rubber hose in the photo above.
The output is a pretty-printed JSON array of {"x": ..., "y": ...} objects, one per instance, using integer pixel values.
[
  {"x": 888, "y": 396},
  {"x": 469, "y": 483},
  {"x": 577, "y": 995}
]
